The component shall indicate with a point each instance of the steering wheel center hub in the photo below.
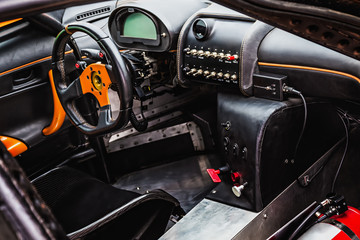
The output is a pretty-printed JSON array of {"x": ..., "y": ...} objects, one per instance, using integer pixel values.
[{"x": 96, "y": 80}]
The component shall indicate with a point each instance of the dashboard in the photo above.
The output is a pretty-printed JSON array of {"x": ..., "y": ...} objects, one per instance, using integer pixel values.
[{"x": 218, "y": 46}]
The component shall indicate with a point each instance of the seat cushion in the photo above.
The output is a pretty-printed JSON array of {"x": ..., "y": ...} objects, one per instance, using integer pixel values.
[{"x": 77, "y": 199}]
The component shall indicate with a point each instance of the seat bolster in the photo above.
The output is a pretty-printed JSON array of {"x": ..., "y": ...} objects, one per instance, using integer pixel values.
[{"x": 156, "y": 201}]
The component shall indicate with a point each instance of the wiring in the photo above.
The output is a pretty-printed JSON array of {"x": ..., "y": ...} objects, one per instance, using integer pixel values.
[
  {"x": 288, "y": 89},
  {"x": 304, "y": 124},
  {"x": 139, "y": 125},
  {"x": 304, "y": 222},
  {"x": 346, "y": 127}
]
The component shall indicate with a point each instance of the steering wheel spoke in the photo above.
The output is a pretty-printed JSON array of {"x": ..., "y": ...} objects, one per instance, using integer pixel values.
[
  {"x": 71, "y": 92},
  {"x": 104, "y": 116}
]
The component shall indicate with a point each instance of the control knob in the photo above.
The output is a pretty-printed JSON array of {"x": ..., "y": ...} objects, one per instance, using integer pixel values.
[
  {"x": 200, "y": 53},
  {"x": 234, "y": 77},
  {"x": 212, "y": 75},
  {"x": 193, "y": 52},
  {"x": 192, "y": 71},
  {"x": 221, "y": 55},
  {"x": 207, "y": 54},
  {"x": 187, "y": 50},
  {"x": 214, "y": 54},
  {"x": 220, "y": 75},
  {"x": 199, "y": 72},
  {"x": 238, "y": 189},
  {"x": 206, "y": 73},
  {"x": 227, "y": 76}
]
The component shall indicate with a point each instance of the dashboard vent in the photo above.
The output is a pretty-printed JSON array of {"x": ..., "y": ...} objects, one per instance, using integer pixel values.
[{"x": 93, "y": 13}]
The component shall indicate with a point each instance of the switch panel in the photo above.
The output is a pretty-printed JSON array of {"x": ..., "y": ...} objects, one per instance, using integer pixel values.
[{"x": 215, "y": 57}]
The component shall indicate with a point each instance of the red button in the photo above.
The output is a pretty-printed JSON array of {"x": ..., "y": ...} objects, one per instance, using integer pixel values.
[
  {"x": 101, "y": 55},
  {"x": 231, "y": 58},
  {"x": 77, "y": 65},
  {"x": 235, "y": 177}
]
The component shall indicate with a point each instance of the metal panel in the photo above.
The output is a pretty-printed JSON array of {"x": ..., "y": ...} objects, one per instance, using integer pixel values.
[
  {"x": 210, "y": 220},
  {"x": 148, "y": 137}
]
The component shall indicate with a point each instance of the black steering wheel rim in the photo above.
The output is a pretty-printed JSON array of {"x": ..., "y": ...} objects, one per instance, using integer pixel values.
[{"x": 118, "y": 74}]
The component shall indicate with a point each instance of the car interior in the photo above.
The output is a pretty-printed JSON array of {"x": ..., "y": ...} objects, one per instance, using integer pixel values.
[{"x": 191, "y": 119}]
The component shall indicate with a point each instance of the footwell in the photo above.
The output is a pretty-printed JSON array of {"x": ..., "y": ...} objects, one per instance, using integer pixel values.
[{"x": 186, "y": 179}]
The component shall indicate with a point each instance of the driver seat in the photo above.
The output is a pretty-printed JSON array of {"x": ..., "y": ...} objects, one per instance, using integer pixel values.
[{"x": 90, "y": 209}]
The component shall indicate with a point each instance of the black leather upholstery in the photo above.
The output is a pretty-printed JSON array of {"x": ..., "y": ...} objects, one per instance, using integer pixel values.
[
  {"x": 87, "y": 207},
  {"x": 282, "y": 47},
  {"x": 249, "y": 52},
  {"x": 270, "y": 130}
]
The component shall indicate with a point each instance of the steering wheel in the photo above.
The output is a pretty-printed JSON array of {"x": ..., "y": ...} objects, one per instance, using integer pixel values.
[{"x": 95, "y": 79}]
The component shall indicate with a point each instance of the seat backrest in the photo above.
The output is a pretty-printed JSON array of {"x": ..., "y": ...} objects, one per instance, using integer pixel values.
[{"x": 23, "y": 213}]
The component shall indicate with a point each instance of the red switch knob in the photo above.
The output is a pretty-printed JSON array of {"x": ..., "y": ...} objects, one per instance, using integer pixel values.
[
  {"x": 235, "y": 177},
  {"x": 231, "y": 58}
]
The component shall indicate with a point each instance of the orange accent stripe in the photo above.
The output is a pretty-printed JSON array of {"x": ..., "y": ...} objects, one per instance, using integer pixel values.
[
  {"x": 14, "y": 146},
  {"x": 30, "y": 63},
  {"x": 309, "y": 68},
  {"x": 59, "y": 113},
  {"x": 3, "y": 24}
]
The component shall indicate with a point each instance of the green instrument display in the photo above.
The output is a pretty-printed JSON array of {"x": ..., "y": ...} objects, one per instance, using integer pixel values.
[{"x": 138, "y": 25}]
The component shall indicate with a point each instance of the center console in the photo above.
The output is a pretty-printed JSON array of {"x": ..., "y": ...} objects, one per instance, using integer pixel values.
[
  {"x": 258, "y": 139},
  {"x": 261, "y": 141}
]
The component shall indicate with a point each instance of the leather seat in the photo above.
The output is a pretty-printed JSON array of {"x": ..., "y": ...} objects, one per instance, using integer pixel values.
[{"x": 90, "y": 209}]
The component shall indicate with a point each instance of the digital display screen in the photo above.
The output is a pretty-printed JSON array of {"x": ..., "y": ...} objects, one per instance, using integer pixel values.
[{"x": 138, "y": 25}]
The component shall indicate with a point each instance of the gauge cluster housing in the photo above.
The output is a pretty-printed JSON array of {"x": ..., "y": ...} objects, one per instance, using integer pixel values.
[{"x": 166, "y": 21}]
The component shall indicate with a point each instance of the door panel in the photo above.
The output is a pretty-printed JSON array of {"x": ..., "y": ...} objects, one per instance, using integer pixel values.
[{"x": 26, "y": 101}]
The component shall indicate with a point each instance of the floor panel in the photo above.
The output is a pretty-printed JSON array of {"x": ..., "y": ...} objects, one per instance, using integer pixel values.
[{"x": 186, "y": 179}]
